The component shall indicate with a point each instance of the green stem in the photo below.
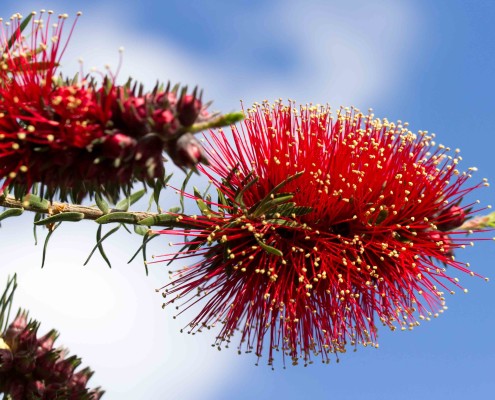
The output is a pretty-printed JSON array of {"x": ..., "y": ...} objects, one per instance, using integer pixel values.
[
  {"x": 216, "y": 122},
  {"x": 57, "y": 208}
]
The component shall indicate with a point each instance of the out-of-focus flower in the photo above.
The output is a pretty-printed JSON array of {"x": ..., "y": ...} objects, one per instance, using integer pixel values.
[
  {"x": 80, "y": 136},
  {"x": 31, "y": 368},
  {"x": 187, "y": 151},
  {"x": 322, "y": 228}
]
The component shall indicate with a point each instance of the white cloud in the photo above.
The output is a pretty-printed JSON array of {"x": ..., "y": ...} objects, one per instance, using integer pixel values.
[
  {"x": 111, "y": 318},
  {"x": 341, "y": 53},
  {"x": 348, "y": 52}
]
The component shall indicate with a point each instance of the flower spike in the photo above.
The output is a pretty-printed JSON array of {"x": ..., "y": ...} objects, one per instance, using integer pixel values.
[
  {"x": 324, "y": 227},
  {"x": 78, "y": 137}
]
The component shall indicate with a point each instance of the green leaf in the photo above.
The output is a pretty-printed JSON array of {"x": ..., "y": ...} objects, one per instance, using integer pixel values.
[
  {"x": 202, "y": 205},
  {"x": 239, "y": 196},
  {"x": 6, "y": 302},
  {"x": 285, "y": 182},
  {"x": 62, "y": 217},
  {"x": 156, "y": 195},
  {"x": 99, "y": 241},
  {"x": 141, "y": 230},
  {"x": 283, "y": 222},
  {"x": 11, "y": 212},
  {"x": 37, "y": 202},
  {"x": 266, "y": 205},
  {"x": 258, "y": 209},
  {"x": 37, "y": 217},
  {"x": 22, "y": 26},
  {"x": 381, "y": 217},
  {"x": 146, "y": 239},
  {"x": 124, "y": 204},
  {"x": 102, "y": 204},
  {"x": 224, "y": 205},
  {"x": 183, "y": 188},
  {"x": 288, "y": 209},
  {"x": 45, "y": 246},
  {"x": 119, "y": 216},
  {"x": 269, "y": 249},
  {"x": 158, "y": 219}
]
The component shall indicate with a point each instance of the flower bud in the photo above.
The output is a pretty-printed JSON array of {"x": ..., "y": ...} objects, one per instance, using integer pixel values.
[
  {"x": 64, "y": 368},
  {"x": 148, "y": 156},
  {"x": 24, "y": 361},
  {"x": 35, "y": 390},
  {"x": 27, "y": 340},
  {"x": 187, "y": 151},
  {"x": 16, "y": 390},
  {"x": 56, "y": 391},
  {"x": 165, "y": 122},
  {"x": 45, "y": 343},
  {"x": 96, "y": 394},
  {"x": 165, "y": 99},
  {"x": 45, "y": 364},
  {"x": 133, "y": 118},
  {"x": 117, "y": 145},
  {"x": 16, "y": 327},
  {"x": 135, "y": 106},
  {"x": 188, "y": 109},
  {"x": 81, "y": 378},
  {"x": 6, "y": 360},
  {"x": 451, "y": 218}
]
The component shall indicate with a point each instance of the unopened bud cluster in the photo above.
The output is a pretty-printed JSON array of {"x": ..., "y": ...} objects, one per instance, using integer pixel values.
[
  {"x": 78, "y": 136},
  {"x": 31, "y": 368}
]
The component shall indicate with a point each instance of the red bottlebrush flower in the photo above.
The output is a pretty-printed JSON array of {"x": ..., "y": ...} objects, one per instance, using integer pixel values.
[
  {"x": 323, "y": 227},
  {"x": 78, "y": 137}
]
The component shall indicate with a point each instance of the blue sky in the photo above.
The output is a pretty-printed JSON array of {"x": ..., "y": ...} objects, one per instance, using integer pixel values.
[{"x": 429, "y": 63}]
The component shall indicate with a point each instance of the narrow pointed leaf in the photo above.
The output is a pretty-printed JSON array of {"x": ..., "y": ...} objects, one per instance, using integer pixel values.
[
  {"x": 146, "y": 239},
  {"x": 291, "y": 210},
  {"x": 156, "y": 193},
  {"x": 45, "y": 246},
  {"x": 124, "y": 204},
  {"x": 37, "y": 217},
  {"x": 102, "y": 204},
  {"x": 141, "y": 230},
  {"x": 268, "y": 204},
  {"x": 100, "y": 239},
  {"x": 239, "y": 196},
  {"x": 270, "y": 249},
  {"x": 184, "y": 184},
  {"x": 119, "y": 216},
  {"x": 158, "y": 219},
  {"x": 22, "y": 26},
  {"x": 62, "y": 217},
  {"x": 6, "y": 302},
  {"x": 11, "y": 212}
]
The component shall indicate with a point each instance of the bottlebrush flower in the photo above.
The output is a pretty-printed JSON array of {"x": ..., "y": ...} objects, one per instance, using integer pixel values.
[
  {"x": 30, "y": 368},
  {"x": 80, "y": 136},
  {"x": 324, "y": 227}
]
